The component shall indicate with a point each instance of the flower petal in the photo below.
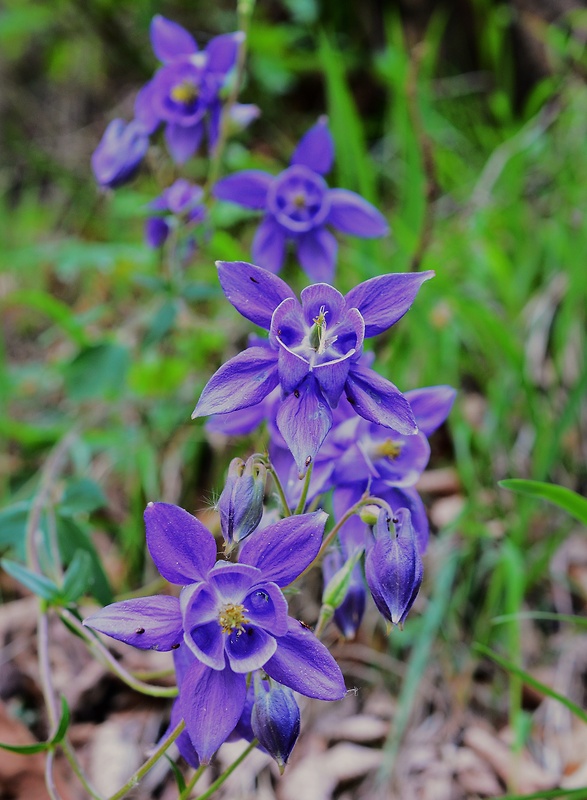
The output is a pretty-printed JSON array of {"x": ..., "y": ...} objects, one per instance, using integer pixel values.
[
  {"x": 315, "y": 149},
  {"x": 378, "y": 400},
  {"x": 247, "y": 188},
  {"x": 249, "y": 648},
  {"x": 351, "y": 214},
  {"x": 287, "y": 324},
  {"x": 407, "y": 497},
  {"x": 283, "y": 550},
  {"x": 293, "y": 368},
  {"x": 305, "y": 665},
  {"x": 149, "y": 623},
  {"x": 317, "y": 251},
  {"x": 145, "y": 113},
  {"x": 304, "y": 418},
  {"x": 232, "y": 581},
  {"x": 182, "y": 548},
  {"x": 207, "y": 644},
  {"x": 198, "y": 604},
  {"x": 322, "y": 296},
  {"x": 183, "y": 141},
  {"x": 183, "y": 741},
  {"x": 332, "y": 376},
  {"x": 222, "y": 52},
  {"x": 211, "y": 703},
  {"x": 384, "y": 300},
  {"x": 268, "y": 248},
  {"x": 431, "y": 406},
  {"x": 243, "y": 381},
  {"x": 253, "y": 291},
  {"x": 156, "y": 232},
  {"x": 170, "y": 40},
  {"x": 266, "y": 607}
]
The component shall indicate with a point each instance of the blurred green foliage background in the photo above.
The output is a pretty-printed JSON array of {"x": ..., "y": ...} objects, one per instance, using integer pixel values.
[{"x": 465, "y": 122}]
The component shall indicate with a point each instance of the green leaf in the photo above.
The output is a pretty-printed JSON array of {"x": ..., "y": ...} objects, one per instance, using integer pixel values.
[
  {"x": 564, "y": 498},
  {"x": 97, "y": 372},
  {"x": 179, "y": 779},
  {"x": 37, "y": 584},
  {"x": 530, "y": 681},
  {"x": 82, "y": 495},
  {"x": 72, "y": 538},
  {"x": 336, "y": 589},
  {"x": 59, "y": 734},
  {"x": 40, "y": 747},
  {"x": 55, "y": 309},
  {"x": 78, "y": 577},
  {"x": 13, "y": 521}
]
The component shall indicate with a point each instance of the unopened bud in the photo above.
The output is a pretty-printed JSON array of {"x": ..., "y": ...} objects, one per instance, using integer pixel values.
[
  {"x": 369, "y": 515},
  {"x": 275, "y": 719},
  {"x": 241, "y": 502},
  {"x": 393, "y": 566}
]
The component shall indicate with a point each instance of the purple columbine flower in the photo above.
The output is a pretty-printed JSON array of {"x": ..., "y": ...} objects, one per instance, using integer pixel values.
[
  {"x": 231, "y": 618},
  {"x": 181, "y": 202},
  {"x": 184, "y": 94},
  {"x": 275, "y": 719},
  {"x": 313, "y": 353},
  {"x": 119, "y": 154},
  {"x": 393, "y": 566},
  {"x": 299, "y": 205}
]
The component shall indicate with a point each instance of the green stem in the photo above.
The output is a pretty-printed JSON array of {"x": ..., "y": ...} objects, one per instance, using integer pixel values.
[
  {"x": 142, "y": 771},
  {"x": 244, "y": 12},
  {"x": 280, "y": 490},
  {"x": 304, "y": 496},
  {"x": 192, "y": 782},
  {"x": 366, "y": 500},
  {"x": 109, "y": 661},
  {"x": 77, "y": 770},
  {"x": 219, "y": 781}
]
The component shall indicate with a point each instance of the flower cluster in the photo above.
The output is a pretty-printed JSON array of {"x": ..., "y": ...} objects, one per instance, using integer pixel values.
[{"x": 335, "y": 425}]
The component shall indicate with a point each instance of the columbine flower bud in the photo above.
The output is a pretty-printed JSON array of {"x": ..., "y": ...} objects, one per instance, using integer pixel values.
[
  {"x": 275, "y": 719},
  {"x": 241, "y": 502},
  {"x": 393, "y": 566}
]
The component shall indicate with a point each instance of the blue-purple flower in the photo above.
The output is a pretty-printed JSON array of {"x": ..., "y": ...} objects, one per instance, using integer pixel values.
[
  {"x": 230, "y": 619},
  {"x": 120, "y": 152},
  {"x": 298, "y": 206},
  {"x": 180, "y": 202},
  {"x": 184, "y": 93},
  {"x": 313, "y": 353},
  {"x": 393, "y": 566}
]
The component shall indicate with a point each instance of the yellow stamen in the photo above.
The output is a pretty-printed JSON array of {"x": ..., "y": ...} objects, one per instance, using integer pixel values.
[
  {"x": 232, "y": 618},
  {"x": 389, "y": 449},
  {"x": 185, "y": 92}
]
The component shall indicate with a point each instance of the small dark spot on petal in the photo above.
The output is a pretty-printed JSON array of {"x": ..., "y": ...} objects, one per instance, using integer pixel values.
[
  {"x": 395, "y": 520},
  {"x": 175, "y": 646},
  {"x": 140, "y": 630},
  {"x": 296, "y": 393},
  {"x": 249, "y": 631},
  {"x": 253, "y": 279},
  {"x": 308, "y": 461}
]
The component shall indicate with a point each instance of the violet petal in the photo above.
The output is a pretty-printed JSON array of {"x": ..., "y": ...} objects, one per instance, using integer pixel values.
[
  {"x": 378, "y": 400},
  {"x": 350, "y": 213},
  {"x": 222, "y": 52},
  {"x": 243, "y": 381},
  {"x": 249, "y": 648},
  {"x": 384, "y": 300},
  {"x": 283, "y": 550},
  {"x": 170, "y": 40},
  {"x": 149, "y": 623},
  {"x": 431, "y": 406},
  {"x": 211, "y": 703},
  {"x": 183, "y": 141},
  {"x": 253, "y": 291},
  {"x": 315, "y": 149},
  {"x": 304, "y": 418},
  {"x": 268, "y": 248},
  {"x": 247, "y": 188},
  {"x": 305, "y": 665},
  {"x": 317, "y": 251},
  {"x": 182, "y": 548}
]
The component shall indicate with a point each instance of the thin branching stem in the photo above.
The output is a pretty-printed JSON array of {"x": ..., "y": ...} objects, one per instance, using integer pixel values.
[
  {"x": 142, "y": 771},
  {"x": 192, "y": 782},
  {"x": 227, "y": 772},
  {"x": 108, "y": 660},
  {"x": 280, "y": 489},
  {"x": 305, "y": 488}
]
